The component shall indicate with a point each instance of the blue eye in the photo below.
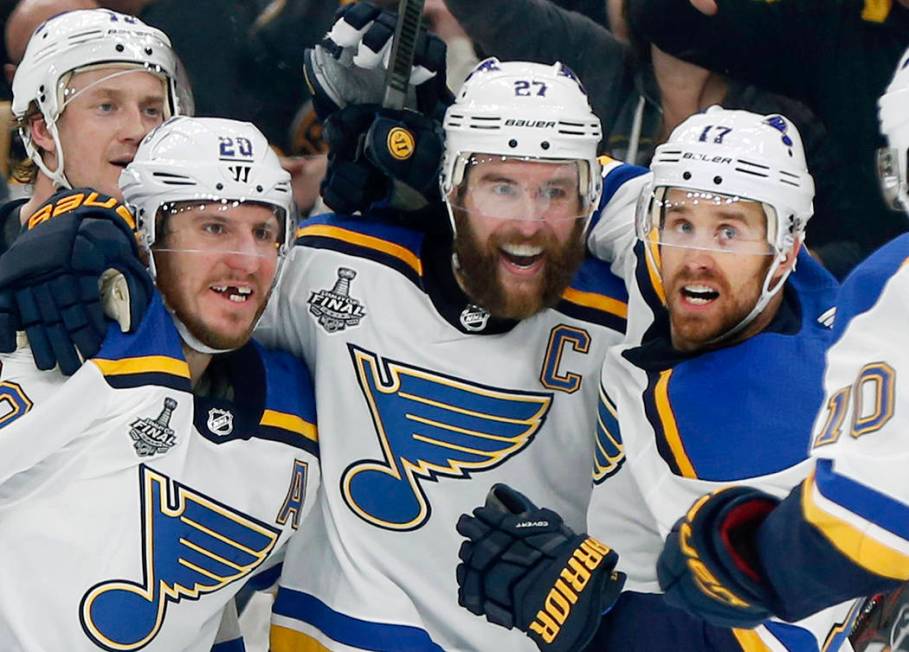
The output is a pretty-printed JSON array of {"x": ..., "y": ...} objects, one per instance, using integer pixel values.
[
  {"x": 728, "y": 233},
  {"x": 504, "y": 189}
]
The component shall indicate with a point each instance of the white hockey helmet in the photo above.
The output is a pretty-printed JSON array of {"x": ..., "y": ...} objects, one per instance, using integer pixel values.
[
  {"x": 522, "y": 110},
  {"x": 726, "y": 155},
  {"x": 216, "y": 160},
  {"x": 893, "y": 167},
  {"x": 82, "y": 39}
]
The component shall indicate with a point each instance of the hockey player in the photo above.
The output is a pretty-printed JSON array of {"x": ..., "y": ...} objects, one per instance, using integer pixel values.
[
  {"x": 91, "y": 84},
  {"x": 137, "y": 495},
  {"x": 471, "y": 362},
  {"x": 740, "y": 555},
  {"x": 715, "y": 310}
]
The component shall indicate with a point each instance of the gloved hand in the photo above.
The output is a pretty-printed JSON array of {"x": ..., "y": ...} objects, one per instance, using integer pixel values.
[
  {"x": 348, "y": 66},
  {"x": 51, "y": 278},
  {"x": 708, "y": 566},
  {"x": 380, "y": 157},
  {"x": 522, "y": 567}
]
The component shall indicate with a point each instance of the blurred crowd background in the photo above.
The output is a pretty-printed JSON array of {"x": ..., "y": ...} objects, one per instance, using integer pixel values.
[{"x": 647, "y": 65}]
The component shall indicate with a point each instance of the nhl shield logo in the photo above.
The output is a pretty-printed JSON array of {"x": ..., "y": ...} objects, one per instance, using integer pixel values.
[
  {"x": 335, "y": 308},
  {"x": 220, "y": 422},
  {"x": 153, "y": 436},
  {"x": 474, "y": 318}
]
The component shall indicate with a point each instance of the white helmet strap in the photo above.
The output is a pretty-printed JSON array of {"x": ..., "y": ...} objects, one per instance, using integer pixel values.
[
  {"x": 58, "y": 177},
  {"x": 767, "y": 293}
]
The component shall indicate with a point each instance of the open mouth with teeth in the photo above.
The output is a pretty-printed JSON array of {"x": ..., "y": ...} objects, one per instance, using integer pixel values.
[
  {"x": 521, "y": 256},
  {"x": 699, "y": 294},
  {"x": 233, "y": 292}
]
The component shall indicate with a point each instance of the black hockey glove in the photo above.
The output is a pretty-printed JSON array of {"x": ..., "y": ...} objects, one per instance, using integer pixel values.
[
  {"x": 348, "y": 66},
  {"x": 380, "y": 158},
  {"x": 51, "y": 278},
  {"x": 709, "y": 567},
  {"x": 522, "y": 567}
]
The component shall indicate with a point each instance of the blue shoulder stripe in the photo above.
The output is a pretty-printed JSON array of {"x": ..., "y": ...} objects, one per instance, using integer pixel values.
[
  {"x": 153, "y": 355},
  {"x": 864, "y": 285},
  {"x": 596, "y": 295},
  {"x": 289, "y": 413},
  {"x": 351, "y": 631},
  {"x": 612, "y": 182},
  {"x": 873, "y": 506},
  {"x": 391, "y": 245}
]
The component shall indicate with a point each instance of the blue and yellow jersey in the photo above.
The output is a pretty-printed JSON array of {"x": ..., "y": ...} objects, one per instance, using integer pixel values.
[
  {"x": 429, "y": 401},
  {"x": 145, "y": 505},
  {"x": 845, "y": 529},
  {"x": 688, "y": 423}
]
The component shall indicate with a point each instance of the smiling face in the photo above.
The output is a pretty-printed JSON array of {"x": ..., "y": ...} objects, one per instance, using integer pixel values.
[
  {"x": 110, "y": 111},
  {"x": 714, "y": 259},
  {"x": 215, "y": 267},
  {"x": 519, "y": 227}
]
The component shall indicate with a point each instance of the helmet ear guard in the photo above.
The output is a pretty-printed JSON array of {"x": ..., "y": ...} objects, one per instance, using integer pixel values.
[{"x": 892, "y": 161}]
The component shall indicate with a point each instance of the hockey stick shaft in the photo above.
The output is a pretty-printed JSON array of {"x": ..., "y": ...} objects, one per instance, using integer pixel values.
[{"x": 397, "y": 77}]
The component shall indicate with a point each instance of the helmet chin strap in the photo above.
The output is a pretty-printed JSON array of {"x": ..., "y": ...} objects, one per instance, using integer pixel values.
[
  {"x": 192, "y": 341},
  {"x": 766, "y": 295},
  {"x": 56, "y": 176}
]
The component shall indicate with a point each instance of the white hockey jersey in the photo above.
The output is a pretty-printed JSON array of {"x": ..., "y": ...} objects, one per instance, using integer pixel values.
[
  {"x": 427, "y": 402},
  {"x": 858, "y": 495},
  {"x": 674, "y": 426},
  {"x": 132, "y": 511}
]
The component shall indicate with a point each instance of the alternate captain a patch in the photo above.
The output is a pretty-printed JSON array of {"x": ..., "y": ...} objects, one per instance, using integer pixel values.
[
  {"x": 431, "y": 426},
  {"x": 335, "y": 309}
]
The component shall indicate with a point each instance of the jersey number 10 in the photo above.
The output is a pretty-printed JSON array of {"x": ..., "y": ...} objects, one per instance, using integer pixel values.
[{"x": 871, "y": 396}]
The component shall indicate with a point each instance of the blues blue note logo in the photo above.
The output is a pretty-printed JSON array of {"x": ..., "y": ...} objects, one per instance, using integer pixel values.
[
  {"x": 609, "y": 453},
  {"x": 191, "y": 546},
  {"x": 153, "y": 436},
  {"x": 430, "y": 426}
]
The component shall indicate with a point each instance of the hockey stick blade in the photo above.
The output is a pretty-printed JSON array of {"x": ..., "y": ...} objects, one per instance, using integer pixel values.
[{"x": 397, "y": 76}]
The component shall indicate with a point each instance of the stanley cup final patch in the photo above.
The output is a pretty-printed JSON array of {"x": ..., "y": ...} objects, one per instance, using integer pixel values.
[
  {"x": 335, "y": 309},
  {"x": 153, "y": 436}
]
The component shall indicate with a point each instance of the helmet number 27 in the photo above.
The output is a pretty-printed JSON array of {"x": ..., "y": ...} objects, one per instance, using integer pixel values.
[{"x": 528, "y": 88}]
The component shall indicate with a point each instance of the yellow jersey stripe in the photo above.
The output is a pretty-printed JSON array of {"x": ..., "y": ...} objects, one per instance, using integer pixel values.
[
  {"x": 670, "y": 429},
  {"x": 750, "y": 640},
  {"x": 145, "y": 364},
  {"x": 597, "y": 301},
  {"x": 285, "y": 639},
  {"x": 855, "y": 544},
  {"x": 290, "y": 422},
  {"x": 876, "y": 11},
  {"x": 654, "y": 263},
  {"x": 360, "y": 239}
]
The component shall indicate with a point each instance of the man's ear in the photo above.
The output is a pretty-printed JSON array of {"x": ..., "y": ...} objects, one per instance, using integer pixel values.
[
  {"x": 40, "y": 135},
  {"x": 789, "y": 262}
]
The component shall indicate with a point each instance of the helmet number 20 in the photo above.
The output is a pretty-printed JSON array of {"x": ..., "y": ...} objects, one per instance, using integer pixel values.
[{"x": 526, "y": 88}]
